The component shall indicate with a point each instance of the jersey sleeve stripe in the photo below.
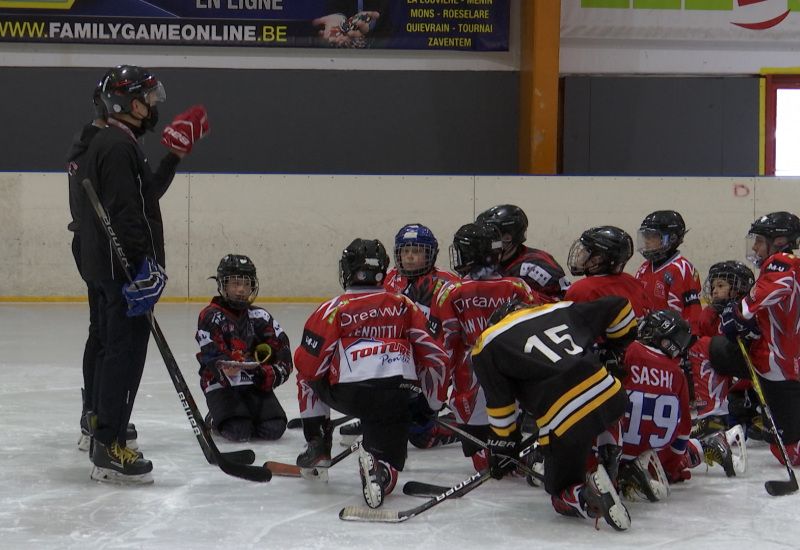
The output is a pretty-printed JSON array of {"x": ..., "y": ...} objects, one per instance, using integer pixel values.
[
  {"x": 503, "y": 419},
  {"x": 622, "y": 324}
]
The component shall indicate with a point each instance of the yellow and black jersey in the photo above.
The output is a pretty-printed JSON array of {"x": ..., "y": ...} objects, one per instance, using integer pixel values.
[{"x": 542, "y": 358}]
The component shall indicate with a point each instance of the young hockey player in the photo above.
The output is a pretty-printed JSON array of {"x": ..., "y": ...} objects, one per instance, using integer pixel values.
[
  {"x": 668, "y": 278},
  {"x": 658, "y": 416},
  {"x": 461, "y": 311},
  {"x": 726, "y": 281},
  {"x": 416, "y": 276},
  {"x": 536, "y": 267},
  {"x": 767, "y": 319},
  {"x": 540, "y": 358},
  {"x": 244, "y": 355},
  {"x": 601, "y": 254},
  {"x": 364, "y": 353}
]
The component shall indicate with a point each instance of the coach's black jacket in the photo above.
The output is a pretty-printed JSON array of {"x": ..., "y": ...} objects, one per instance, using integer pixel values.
[{"x": 130, "y": 192}]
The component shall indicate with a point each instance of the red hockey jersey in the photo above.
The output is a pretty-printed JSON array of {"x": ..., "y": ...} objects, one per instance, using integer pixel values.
[
  {"x": 618, "y": 284},
  {"x": 420, "y": 290},
  {"x": 368, "y": 333},
  {"x": 539, "y": 270},
  {"x": 658, "y": 414},
  {"x": 674, "y": 285},
  {"x": 775, "y": 302}
]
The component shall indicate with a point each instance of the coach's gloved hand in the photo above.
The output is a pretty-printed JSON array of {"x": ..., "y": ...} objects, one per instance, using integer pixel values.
[
  {"x": 734, "y": 325},
  {"x": 422, "y": 416},
  {"x": 146, "y": 288},
  {"x": 503, "y": 453},
  {"x": 186, "y": 129},
  {"x": 611, "y": 357}
]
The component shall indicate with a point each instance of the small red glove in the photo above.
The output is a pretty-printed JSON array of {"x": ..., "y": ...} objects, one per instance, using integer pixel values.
[
  {"x": 186, "y": 129},
  {"x": 274, "y": 376}
]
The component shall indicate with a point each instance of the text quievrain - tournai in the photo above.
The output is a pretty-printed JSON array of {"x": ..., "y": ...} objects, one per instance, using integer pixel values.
[{"x": 449, "y": 20}]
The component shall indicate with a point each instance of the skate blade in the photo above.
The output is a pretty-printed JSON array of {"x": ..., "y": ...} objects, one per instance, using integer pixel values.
[
  {"x": 617, "y": 515},
  {"x": 348, "y": 440},
  {"x": 736, "y": 440},
  {"x": 651, "y": 464},
  {"x": 315, "y": 474},
  {"x": 84, "y": 442},
  {"x": 105, "y": 475}
]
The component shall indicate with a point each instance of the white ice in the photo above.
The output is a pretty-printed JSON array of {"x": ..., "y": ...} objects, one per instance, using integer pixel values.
[{"x": 47, "y": 500}]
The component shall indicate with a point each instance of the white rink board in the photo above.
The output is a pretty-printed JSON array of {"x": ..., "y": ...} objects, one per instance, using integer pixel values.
[{"x": 294, "y": 226}]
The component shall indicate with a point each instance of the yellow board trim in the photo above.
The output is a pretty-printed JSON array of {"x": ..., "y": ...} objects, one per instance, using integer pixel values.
[{"x": 196, "y": 300}]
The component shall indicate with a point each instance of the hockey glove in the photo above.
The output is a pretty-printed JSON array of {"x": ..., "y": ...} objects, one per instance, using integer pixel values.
[
  {"x": 734, "y": 325},
  {"x": 273, "y": 376},
  {"x": 262, "y": 353},
  {"x": 187, "y": 128},
  {"x": 146, "y": 288},
  {"x": 611, "y": 358},
  {"x": 503, "y": 453},
  {"x": 421, "y": 413}
]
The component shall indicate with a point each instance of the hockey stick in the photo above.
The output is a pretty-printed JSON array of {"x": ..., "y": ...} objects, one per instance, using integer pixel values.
[
  {"x": 295, "y": 423},
  {"x": 233, "y": 467},
  {"x": 426, "y": 490},
  {"x": 314, "y": 474},
  {"x": 525, "y": 446},
  {"x": 775, "y": 488},
  {"x": 362, "y": 513}
]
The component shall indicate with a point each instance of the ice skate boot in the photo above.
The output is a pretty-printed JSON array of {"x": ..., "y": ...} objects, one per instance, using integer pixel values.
[
  {"x": 601, "y": 500},
  {"x": 116, "y": 464},
  {"x": 717, "y": 450},
  {"x": 378, "y": 478}
]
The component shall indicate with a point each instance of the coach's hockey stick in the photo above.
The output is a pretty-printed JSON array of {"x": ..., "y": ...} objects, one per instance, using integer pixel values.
[
  {"x": 362, "y": 513},
  {"x": 231, "y": 465},
  {"x": 775, "y": 488}
]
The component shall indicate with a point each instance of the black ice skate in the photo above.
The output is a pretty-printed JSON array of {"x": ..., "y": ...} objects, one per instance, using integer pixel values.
[
  {"x": 317, "y": 454},
  {"x": 601, "y": 500},
  {"x": 115, "y": 464},
  {"x": 716, "y": 450},
  {"x": 378, "y": 479}
]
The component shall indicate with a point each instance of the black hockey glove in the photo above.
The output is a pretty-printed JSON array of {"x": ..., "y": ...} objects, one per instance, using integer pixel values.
[
  {"x": 611, "y": 357},
  {"x": 503, "y": 453},
  {"x": 422, "y": 415},
  {"x": 734, "y": 325}
]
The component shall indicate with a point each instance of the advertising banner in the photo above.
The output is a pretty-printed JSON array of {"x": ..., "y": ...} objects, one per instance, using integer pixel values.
[{"x": 471, "y": 25}]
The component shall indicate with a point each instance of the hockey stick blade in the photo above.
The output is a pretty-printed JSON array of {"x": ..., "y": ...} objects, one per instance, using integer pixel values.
[
  {"x": 245, "y": 456},
  {"x": 362, "y": 513},
  {"x": 199, "y": 427},
  {"x": 283, "y": 469},
  {"x": 781, "y": 488},
  {"x": 427, "y": 490}
]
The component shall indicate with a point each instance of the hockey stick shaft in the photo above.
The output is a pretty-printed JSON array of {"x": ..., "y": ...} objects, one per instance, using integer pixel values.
[
  {"x": 295, "y": 423},
  {"x": 775, "y": 488},
  {"x": 210, "y": 450},
  {"x": 525, "y": 447},
  {"x": 292, "y": 470},
  {"x": 362, "y": 513}
]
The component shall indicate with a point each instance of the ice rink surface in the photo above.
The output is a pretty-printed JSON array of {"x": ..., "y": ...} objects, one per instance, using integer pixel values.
[{"x": 49, "y": 502}]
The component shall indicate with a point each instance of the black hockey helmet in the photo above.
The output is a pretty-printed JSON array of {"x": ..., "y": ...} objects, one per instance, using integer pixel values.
[
  {"x": 508, "y": 307},
  {"x": 237, "y": 268},
  {"x": 736, "y": 274},
  {"x": 124, "y": 83},
  {"x": 475, "y": 245},
  {"x": 666, "y": 226},
  {"x": 364, "y": 263},
  {"x": 510, "y": 220},
  {"x": 600, "y": 250},
  {"x": 417, "y": 235},
  {"x": 773, "y": 226},
  {"x": 666, "y": 330}
]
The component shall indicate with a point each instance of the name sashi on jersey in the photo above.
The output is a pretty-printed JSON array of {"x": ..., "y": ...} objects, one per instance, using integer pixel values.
[{"x": 651, "y": 376}]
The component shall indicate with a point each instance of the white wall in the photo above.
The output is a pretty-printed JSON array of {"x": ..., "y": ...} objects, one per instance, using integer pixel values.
[{"x": 295, "y": 226}]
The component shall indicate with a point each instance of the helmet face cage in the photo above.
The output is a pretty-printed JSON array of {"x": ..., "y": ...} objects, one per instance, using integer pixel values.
[
  {"x": 363, "y": 263},
  {"x": 770, "y": 227},
  {"x": 600, "y": 250},
  {"x": 237, "y": 282},
  {"x": 475, "y": 245},
  {"x": 510, "y": 220},
  {"x": 660, "y": 234},
  {"x": 122, "y": 84},
  {"x": 667, "y": 331},
  {"x": 736, "y": 274},
  {"x": 415, "y": 238}
]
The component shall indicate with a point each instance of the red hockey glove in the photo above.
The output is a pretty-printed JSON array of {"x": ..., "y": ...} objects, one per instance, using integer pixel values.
[
  {"x": 186, "y": 129},
  {"x": 274, "y": 376}
]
